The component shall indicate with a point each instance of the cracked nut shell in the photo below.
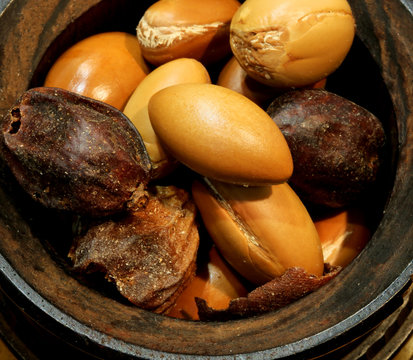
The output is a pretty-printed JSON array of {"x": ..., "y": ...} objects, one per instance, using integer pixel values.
[
  {"x": 261, "y": 231},
  {"x": 171, "y": 29},
  {"x": 291, "y": 43}
]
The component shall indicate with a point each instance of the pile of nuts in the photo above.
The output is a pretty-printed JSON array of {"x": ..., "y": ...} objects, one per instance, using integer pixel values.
[{"x": 193, "y": 186}]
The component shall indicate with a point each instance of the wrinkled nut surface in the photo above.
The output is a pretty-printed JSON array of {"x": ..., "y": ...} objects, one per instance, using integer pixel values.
[
  {"x": 337, "y": 146},
  {"x": 74, "y": 153},
  {"x": 177, "y": 71},
  {"x": 105, "y": 67},
  {"x": 220, "y": 134},
  {"x": 149, "y": 254},
  {"x": 261, "y": 231},
  {"x": 171, "y": 29},
  {"x": 291, "y": 43}
]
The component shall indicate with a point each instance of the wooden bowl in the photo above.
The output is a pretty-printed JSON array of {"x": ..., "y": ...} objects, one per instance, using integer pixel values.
[{"x": 35, "y": 274}]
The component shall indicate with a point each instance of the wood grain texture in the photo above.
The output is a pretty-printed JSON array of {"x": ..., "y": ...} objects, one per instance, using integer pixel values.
[{"x": 33, "y": 32}]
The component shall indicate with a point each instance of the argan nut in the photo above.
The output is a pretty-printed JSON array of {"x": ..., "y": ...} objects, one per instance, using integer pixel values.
[
  {"x": 220, "y": 134},
  {"x": 177, "y": 71},
  {"x": 337, "y": 146},
  {"x": 215, "y": 282},
  {"x": 261, "y": 231},
  {"x": 171, "y": 29},
  {"x": 234, "y": 77},
  {"x": 343, "y": 234},
  {"x": 291, "y": 43},
  {"x": 70, "y": 152},
  {"x": 106, "y": 67}
]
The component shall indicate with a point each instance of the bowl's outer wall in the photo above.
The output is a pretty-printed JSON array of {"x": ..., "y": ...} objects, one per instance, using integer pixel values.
[{"x": 27, "y": 30}]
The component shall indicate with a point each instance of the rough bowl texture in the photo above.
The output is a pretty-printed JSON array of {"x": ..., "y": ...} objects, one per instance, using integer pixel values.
[{"x": 35, "y": 274}]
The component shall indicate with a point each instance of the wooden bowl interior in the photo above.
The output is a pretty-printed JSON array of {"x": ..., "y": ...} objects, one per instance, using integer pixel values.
[{"x": 35, "y": 241}]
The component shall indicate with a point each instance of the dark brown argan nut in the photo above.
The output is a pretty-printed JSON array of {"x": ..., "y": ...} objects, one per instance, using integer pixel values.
[
  {"x": 149, "y": 254},
  {"x": 337, "y": 146},
  {"x": 70, "y": 152},
  {"x": 275, "y": 294}
]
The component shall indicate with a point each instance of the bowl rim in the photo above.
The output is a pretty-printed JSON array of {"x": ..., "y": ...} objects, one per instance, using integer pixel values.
[{"x": 37, "y": 307}]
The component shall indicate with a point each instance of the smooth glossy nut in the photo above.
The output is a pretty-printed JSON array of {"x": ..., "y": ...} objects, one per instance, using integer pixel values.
[
  {"x": 260, "y": 231},
  {"x": 291, "y": 43},
  {"x": 178, "y": 71},
  {"x": 234, "y": 77},
  {"x": 105, "y": 67},
  {"x": 220, "y": 134},
  {"x": 170, "y": 29}
]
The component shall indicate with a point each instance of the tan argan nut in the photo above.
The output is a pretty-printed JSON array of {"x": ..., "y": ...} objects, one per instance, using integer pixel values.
[
  {"x": 170, "y": 29},
  {"x": 234, "y": 77},
  {"x": 220, "y": 134},
  {"x": 261, "y": 231},
  {"x": 343, "y": 234},
  {"x": 178, "y": 71},
  {"x": 106, "y": 67},
  {"x": 291, "y": 43},
  {"x": 215, "y": 282}
]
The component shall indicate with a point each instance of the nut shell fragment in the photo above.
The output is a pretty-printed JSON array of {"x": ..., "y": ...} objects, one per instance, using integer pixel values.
[
  {"x": 292, "y": 285},
  {"x": 149, "y": 254}
]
